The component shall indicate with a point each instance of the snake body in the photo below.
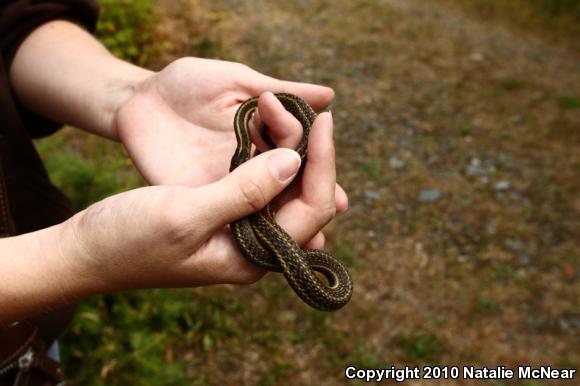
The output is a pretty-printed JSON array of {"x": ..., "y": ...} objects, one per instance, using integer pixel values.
[{"x": 263, "y": 242}]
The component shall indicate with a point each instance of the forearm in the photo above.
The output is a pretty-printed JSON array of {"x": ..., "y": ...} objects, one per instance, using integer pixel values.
[
  {"x": 38, "y": 273},
  {"x": 62, "y": 72}
]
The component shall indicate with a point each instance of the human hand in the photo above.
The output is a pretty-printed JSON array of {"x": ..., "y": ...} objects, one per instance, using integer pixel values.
[
  {"x": 176, "y": 236},
  {"x": 178, "y": 126}
]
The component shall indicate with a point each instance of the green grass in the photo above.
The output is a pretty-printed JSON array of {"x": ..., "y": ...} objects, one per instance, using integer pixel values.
[
  {"x": 512, "y": 84},
  {"x": 126, "y": 28},
  {"x": 87, "y": 178},
  {"x": 373, "y": 168},
  {"x": 131, "y": 337},
  {"x": 273, "y": 376},
  {"x": 466, "y": 130},
  {"x": 421, "y": 346},
  {"x": 125, "y": 336},
  {"x": 486, "y": 306},
  {"x": 569, "y": 102},
  {"x": 368, "y": 359},
  {"x": 344, "y": 250}
]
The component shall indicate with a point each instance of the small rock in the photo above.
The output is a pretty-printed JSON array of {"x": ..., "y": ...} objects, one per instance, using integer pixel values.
[
  {"x": 372, "y": 195},
  {"x": 524, "y": 259},
  {"x": 463, "y": 258},
  {"x": 515, "y": 119},
  {"x": 429, "y": 195},
  {"x": 343, "y": 114},
  {"x": 476, "y": 57},
  {"x": 474, "y": 169},
  {"x": 491, "y": 228},
  {"x": 514, "y": 245},
  {"x": 570, "y": 323},
  {"x": 396, "y": 163},
  {"x": 502, "y": 185},
  {"x": 503, "y": 157}
]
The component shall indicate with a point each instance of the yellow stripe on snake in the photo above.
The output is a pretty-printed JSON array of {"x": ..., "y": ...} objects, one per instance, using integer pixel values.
[{"x": 263, "y": 242}]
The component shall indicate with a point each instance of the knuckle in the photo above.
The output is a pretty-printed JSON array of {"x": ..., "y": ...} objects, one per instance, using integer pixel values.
[
  {"x": 326, "y": 213},
  {"x": 244, "y": 67},
  {"x": 252, "y": 194}
]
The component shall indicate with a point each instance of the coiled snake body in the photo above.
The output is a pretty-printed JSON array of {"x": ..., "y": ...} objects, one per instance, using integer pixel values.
[{"x": 263, "y": 242}]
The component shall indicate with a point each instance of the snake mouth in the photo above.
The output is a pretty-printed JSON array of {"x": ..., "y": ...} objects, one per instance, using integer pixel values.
[{"x": 326, "y": 276}]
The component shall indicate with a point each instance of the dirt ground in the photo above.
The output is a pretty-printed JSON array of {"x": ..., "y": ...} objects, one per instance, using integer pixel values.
[{"x": 458, "y": 142}]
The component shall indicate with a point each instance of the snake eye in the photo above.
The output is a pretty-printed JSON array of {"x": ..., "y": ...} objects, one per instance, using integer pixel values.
[{"x": 326, "y": 276}]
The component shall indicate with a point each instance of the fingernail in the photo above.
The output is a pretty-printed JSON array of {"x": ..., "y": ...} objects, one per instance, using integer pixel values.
[
  {"x": 330, "y": 124},
  {"x": 284, "y": 164}
]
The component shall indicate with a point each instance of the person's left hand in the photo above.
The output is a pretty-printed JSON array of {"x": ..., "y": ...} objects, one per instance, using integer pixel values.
[{"x": 178, "y": 126}]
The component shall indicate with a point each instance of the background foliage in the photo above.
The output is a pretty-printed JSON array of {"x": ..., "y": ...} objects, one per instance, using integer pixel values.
[{"x": 126, "y": 28}]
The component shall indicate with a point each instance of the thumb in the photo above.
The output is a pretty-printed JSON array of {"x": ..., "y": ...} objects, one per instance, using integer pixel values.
[{"x": 250, "y": 187}]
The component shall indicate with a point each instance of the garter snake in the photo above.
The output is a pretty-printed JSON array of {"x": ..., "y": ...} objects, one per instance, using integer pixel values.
[{"x": 263, "y": 242}]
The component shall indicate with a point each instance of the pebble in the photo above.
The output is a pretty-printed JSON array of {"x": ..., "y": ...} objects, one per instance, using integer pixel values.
[
  {"x": 503, "y": 157},
  {"x": 474, "y": 168},
  {"x": 524, "y": 259},
  {"x": 372, "y": 195},
  {"x": 502, "y": 185},
  {"x": 464, "y": 258},
  {"x": 429, "y": 195},
  {"x": 396, "y": 163},
  {"x": 570, "y": 323},
  {"x": 476, "y": 56},
  {"x": 490, "y": 228},
  {"x": 514, "y": 245},
  {"x": 516, "y": 119}
]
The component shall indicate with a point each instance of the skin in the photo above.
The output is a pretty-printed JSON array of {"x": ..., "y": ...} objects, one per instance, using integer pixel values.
[{"x": 176, "y": 125}]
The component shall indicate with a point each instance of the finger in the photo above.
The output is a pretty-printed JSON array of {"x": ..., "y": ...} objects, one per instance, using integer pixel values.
[
  {"x": 341, "y": 199},
  {"x": 304, "y": 216},
  {"x": 249, "y": 188},
  {"x": 254, "y": 129},
  {"x": 283, "y": 128},
  {"x": 317, "y": 242},
  {"x": 293, "y": 191},
  {"x": 319, "y": 97},
  {"x": 319, "y": 179}
]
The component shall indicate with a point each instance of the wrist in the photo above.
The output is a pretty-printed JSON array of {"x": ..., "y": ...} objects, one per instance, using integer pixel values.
[
  {"x": 39, "y": 274},
  {"x": 80, "y": 276},
  {"x": 79, "y": 82},
  {"x": 128, "y": 81}
]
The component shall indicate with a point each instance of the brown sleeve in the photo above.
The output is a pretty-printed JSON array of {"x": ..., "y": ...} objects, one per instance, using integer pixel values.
[{"x": 19, "y": 18}]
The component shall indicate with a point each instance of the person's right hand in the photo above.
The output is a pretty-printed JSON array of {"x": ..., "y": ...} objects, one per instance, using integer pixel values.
[{"x": 174, "y": 236}]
